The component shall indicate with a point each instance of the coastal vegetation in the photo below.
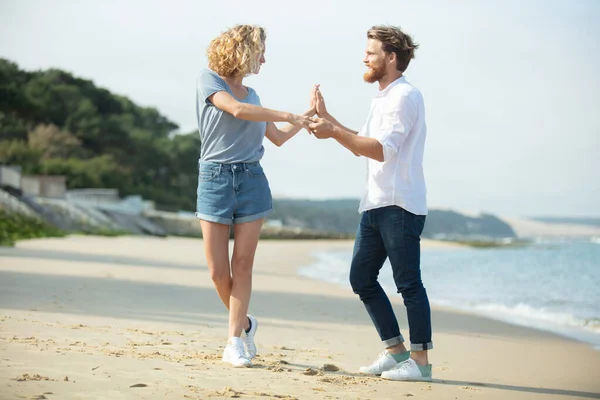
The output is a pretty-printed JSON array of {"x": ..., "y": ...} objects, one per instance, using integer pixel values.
[
  {"x": 14, "y": 226},
  {"x": 54, "y": 123}
]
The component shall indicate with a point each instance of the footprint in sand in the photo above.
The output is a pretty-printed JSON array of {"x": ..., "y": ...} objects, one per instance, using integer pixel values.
[
  {"x": 470, "y": 389},
  {"x": 229, "y": 392},
  {"x": 34, "y": 377},
  {"x": 310, "y": 372},
  {"x": 330, "y": 368},
  {"x": 138, "y": 385}
]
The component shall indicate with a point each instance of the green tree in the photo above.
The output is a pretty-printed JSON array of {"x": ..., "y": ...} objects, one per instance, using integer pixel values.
[{"x": 53, "y": 122}]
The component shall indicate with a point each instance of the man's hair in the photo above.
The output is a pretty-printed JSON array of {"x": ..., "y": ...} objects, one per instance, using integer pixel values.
[
  {"x": 235, "y": 52},
  {"x": 395, "y": 41}
]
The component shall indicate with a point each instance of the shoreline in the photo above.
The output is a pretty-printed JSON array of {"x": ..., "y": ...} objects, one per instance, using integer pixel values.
[
  {"x": 502, "y": 313},
  {"x": 113, "y": 313}
]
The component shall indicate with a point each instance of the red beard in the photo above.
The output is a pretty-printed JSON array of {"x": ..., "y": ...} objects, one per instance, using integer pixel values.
[{"x": 374, "y": 73}]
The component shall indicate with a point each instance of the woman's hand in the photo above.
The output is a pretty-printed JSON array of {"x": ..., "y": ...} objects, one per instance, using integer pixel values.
[
  {"x": 313, "y": 100},
  {"x": 301, "y": 121}
]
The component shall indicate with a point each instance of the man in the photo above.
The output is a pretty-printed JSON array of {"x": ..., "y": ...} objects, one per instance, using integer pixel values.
[{"x": 394, "y": 205}]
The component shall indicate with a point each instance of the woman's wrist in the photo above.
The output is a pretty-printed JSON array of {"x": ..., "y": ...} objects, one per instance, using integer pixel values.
[
  {"x": 288, "y": 117},
  {"x": 311, "y": 112}
]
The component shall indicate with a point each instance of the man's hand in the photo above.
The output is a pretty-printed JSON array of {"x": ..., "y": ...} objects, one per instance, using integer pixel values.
[
  {"x": 320, "y": 103},
  {"x": 322, "y": 128}
]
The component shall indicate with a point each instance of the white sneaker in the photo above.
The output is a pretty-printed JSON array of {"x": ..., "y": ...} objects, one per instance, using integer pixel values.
[
  {"x": 408, "y": 371},
  {"x": 384, "y": 362},
  {"x": 249, "y": 345},
  {"x": 234, "y": 353}
]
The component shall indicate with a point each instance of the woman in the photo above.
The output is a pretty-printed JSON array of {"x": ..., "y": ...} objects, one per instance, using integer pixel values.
[{"x": 232, "y": 188}]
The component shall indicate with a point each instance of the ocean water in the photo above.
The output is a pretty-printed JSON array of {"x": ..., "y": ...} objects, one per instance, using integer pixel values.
[{"x": 550, "y": 285}]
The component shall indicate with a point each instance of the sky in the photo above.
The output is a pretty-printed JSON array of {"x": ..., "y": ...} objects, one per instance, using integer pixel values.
[{"x": 511, "y": 89}]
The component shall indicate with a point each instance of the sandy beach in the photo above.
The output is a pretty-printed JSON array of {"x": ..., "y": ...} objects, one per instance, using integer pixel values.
[{"x": 137, "y": 318}]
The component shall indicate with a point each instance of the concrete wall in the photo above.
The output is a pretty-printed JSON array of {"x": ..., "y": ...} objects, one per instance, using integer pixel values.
[
  {"x": 52, "y": 186},
  {"x": 94, "y": 196},
  {"x": 10, "y": 177},
  {"x": 31, "y": 186}
]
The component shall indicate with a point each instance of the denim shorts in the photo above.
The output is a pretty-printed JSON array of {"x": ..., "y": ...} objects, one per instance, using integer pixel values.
[{"x": 232, "y": 193}]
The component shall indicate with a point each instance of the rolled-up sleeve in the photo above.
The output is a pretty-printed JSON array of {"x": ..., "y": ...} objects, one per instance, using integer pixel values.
[{"x": 396, "y": 123}]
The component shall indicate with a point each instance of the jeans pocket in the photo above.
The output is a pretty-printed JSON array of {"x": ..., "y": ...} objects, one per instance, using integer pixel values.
[
  {"x": 208, "y": 173},
  {"x": 419, "y": 224},
  {"x": 255, "y": 170}
]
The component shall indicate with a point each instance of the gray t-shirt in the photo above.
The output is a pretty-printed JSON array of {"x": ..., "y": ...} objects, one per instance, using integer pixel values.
[{"x": 226, "y": 139}]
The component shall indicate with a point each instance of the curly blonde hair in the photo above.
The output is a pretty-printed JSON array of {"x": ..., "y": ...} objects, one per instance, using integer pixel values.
[{"x": 236, "y": 51}]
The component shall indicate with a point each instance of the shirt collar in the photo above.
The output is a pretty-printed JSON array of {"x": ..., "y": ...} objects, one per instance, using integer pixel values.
[{"x": 390, "y": 86}]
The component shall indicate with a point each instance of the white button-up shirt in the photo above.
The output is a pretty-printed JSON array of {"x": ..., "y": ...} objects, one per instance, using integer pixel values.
[{"x": 397, "y": 121}]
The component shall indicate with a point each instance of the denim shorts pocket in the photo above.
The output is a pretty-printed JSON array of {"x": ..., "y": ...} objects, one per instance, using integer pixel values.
[
  {"x": 208, "y": 173},
  {"x": 255, "y": 170}
]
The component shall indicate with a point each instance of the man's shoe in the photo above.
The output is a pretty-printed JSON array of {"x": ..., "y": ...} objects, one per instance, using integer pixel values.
[
  {"x": 384, "y": 362},
  {"x": 408, "y": 370}
]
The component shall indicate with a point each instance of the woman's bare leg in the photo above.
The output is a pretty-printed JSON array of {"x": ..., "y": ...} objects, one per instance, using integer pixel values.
[{"x": 246, "y": 240}]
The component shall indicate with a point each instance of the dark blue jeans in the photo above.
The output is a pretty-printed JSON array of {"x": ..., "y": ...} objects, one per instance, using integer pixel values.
[{"x": 395, "y": 233}]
